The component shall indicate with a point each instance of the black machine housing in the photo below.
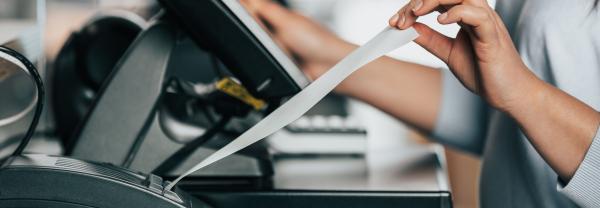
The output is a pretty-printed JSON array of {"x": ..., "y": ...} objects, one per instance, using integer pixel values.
[{"x": 60, "y": 182}]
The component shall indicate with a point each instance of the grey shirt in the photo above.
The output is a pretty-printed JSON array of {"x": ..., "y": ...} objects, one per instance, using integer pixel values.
[{"x": 560, "y": 41}]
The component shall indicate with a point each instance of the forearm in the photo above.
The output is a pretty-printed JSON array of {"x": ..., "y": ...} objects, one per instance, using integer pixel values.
[
  {"x": 407, "y": 91},
  {"x": 559, "y": 126}
]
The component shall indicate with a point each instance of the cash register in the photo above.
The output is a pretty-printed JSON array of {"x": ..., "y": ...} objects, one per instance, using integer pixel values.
[
  {"x": 131, "y": 143},
  {"x": 140, "y": 113}
]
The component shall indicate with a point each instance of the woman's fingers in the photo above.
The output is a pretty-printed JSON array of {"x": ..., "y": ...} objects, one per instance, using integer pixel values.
[
  {"x": 409, "y": 13},
  {"x": 403, "y": 18},
  {"x": 423, "y": 7},
  {"x": 480, "y": 19}
]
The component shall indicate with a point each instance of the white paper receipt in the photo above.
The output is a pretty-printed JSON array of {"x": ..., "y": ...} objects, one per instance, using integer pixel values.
[{"x": 385, "y": 42}]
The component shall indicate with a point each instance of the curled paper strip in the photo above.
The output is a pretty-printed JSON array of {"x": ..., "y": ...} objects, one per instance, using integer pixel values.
[{"x": 385, "y": 42}]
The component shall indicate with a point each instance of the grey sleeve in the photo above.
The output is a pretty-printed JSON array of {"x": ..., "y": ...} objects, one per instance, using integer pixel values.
[
  {"x": 462, "y": 119},
  {"x": 584, "y": 187}
]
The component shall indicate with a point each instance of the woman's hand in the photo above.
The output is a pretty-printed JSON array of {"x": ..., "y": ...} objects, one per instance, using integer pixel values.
[
  {"x": 315, "y": 48},
  {"x": 482, "y": 55},
  {"x": 484, "y": 59}
]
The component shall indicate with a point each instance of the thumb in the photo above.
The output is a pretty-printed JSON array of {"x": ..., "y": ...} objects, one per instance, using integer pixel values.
[
  {"x": 433, "y": 41},
  {"x": 442, "y": 46}
]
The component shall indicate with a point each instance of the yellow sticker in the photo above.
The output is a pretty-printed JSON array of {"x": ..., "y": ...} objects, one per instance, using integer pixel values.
[{"x": 234, "y": 89}]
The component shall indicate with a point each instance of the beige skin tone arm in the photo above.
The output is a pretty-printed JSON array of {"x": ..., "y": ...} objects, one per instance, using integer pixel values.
[{"x": 407, "y": 91}]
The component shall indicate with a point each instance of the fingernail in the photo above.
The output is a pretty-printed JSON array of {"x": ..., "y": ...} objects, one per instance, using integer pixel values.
[
  {"x": 402, "y": 20},
  {"x": 443, "y": 16},
  {"x": 418, "y": 5},
  {"x": 394, "y": 19}
]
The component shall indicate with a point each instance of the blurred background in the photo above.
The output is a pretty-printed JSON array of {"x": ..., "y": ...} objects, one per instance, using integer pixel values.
[{"x": 48, "y": 24}]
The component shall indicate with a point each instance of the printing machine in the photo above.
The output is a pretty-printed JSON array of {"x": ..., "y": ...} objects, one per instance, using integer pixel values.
[{"x": 135, "y": 136}]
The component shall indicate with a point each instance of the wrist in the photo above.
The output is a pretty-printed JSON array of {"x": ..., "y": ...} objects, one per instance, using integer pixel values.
[{"x": 531, "y": 91}]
